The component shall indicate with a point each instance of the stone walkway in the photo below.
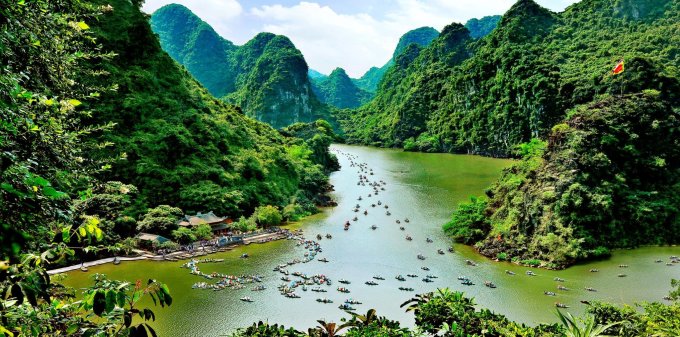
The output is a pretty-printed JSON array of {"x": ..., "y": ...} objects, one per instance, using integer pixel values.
[{"x": 174, "y": 256}]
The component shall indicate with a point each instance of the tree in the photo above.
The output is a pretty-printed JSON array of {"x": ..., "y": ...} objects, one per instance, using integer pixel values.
[
  {"x": 589, "y": 328},
  {"x": 160, "y": 220},
  {"x": 203, "y": 232},
  {"x": 184, "y": 235},
  {"x": 266, "y": 216}
]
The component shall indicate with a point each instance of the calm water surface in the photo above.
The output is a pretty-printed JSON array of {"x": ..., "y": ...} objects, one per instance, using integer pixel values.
[{"x": 424, "y": 188}]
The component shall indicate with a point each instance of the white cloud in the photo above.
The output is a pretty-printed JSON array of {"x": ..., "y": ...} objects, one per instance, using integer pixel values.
[
  {"x": 220, "y": 14},
  {"x": 329, "y": 39}
]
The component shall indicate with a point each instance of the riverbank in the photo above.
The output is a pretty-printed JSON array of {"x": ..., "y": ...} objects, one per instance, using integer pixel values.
[{"x": 174, "y": 256}]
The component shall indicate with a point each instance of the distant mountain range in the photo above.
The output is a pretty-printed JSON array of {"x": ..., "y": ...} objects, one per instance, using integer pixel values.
[{"x": 266, "y": 77}]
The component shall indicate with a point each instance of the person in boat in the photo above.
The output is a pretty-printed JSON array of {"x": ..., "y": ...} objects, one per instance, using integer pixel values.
[
  {"x": 374, "y": 227},
  {"x": 398, "y": 222},
  {"x": 388, "y": 213},
  {"x": 365, "y": 212},
  {"x": 429, "y": 240},
  {"x": 402, "y": 228}
]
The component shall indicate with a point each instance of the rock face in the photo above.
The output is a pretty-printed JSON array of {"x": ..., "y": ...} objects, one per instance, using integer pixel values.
[{"x": 266, "y": 77}]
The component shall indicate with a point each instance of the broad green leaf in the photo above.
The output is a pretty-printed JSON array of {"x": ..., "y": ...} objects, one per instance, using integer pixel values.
[
  {"x": 72, "y": 329},
  {"x": 82, "y": 25},
  {"x": 74, "y": 102},
  {"x": 110, "y": 301},
  {"x": 99, "y": 303},
  {"x": 66, "y": 234}
]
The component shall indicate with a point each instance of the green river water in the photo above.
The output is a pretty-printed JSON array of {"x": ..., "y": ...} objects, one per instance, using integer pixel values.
[{"x": 424, "y": 188}]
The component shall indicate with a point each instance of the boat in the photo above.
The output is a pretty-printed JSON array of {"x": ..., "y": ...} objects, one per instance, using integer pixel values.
[
  {"x": 388, "y": 213},
  {"x": 667, "y": 298},
  {"x": 83, "y": 268},
  {"x": 259, "y": 288},
  {"x": 425, "y": 268},
  {"x": 328, "y": 236},
  {"x": 594, "y": 270},
  {"x": 304, "y": 288},
  {"x": 467, "y": 283},
  {"x": 402, "y": 228},
  {"x": 400, "y": 278},
  {"x": 622, "y": 275},
  {"x": 490, "y": 284},
  {"x": 386, "y": 207},
  {"x": 319, "y": 290},
  {"x": 440, "y": 251},
  {"x": 549, "y": 293},
  {"x": 398, "y": 222},
  {"x": 374, "y": 227},
  {"x": 510, "y": 272},
  {"x": 324, "y": 300},
  {"x": 245, "y": 256},
  {"x": 379, "y": 202},
  {"x": 246, "y": 299},
  {"x": 470, "y": 263},
  {"x": 412, "y": 275},
  {"x": 371, "y": 283},
  {"x": 346, "y": 306},
  {"x": 343, "y": 290},
  {"x": 451, "y": 249},
  {"x": 421, "y": 257},
  {"x": 563, "y": 288},
  {"x": 427, "y": 280},
  {"x": 116, "y": 260},
  {"x": 352, "y": 301},
  {"x": 407, "y": 220},
  {"x": 292, "y": 295},
  {"x": 378, "y": 277},
  {"x": 324, "y": 260},
  {"x": 373, "y": 205},
  {"x": 530, "y": 273},
  {"x": 319, "y": 237},
  {"x": 405, "y": 289},
  {"x": 409, "y": 238},
  {"x": 623, "y": 266},
  {"x": 365, "y": 212},
  {"x": 359, "y": 199},
  {"x": 590, "y": 289},
  {"x": 428, "y": 240},
  {"x": 658, "y": 261},
  {"x": 343, "y": 281},
  {"x": 558, "y": 279},
  {"x": 355, "y": 219},
  {"x": 561, "y": 305}
]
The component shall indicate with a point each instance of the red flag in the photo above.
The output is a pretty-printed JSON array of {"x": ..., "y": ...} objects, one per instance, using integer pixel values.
[{"x": 620, "y": 67}]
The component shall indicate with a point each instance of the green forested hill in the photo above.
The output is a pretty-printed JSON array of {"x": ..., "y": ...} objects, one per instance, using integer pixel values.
[
  {"x": 518, "y": 81},
  {"x": 266, "y": 77},
  {"x": 195, "y": 45},
  {"x": 480, "y": 28},
  {"x": 178, "y": 144},
  {"x": 338, "y": 90},
  {"x": 421, "y": 36},
  {"x": 607, "y": 177}
]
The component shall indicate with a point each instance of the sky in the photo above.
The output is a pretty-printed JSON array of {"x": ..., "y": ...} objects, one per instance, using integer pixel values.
[{"x": 353, "y": 34}]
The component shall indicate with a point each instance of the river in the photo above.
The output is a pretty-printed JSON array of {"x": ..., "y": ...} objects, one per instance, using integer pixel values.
[{"x": 423, "y": 188}]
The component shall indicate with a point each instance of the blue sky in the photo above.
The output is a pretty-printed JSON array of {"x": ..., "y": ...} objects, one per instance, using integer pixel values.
[{"x": 352, "y": 34}]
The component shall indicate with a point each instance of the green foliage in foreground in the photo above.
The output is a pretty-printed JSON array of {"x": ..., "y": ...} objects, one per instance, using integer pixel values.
[
  {"x": 450, "y": 314},
  {"x": 608, "y": 177}
]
